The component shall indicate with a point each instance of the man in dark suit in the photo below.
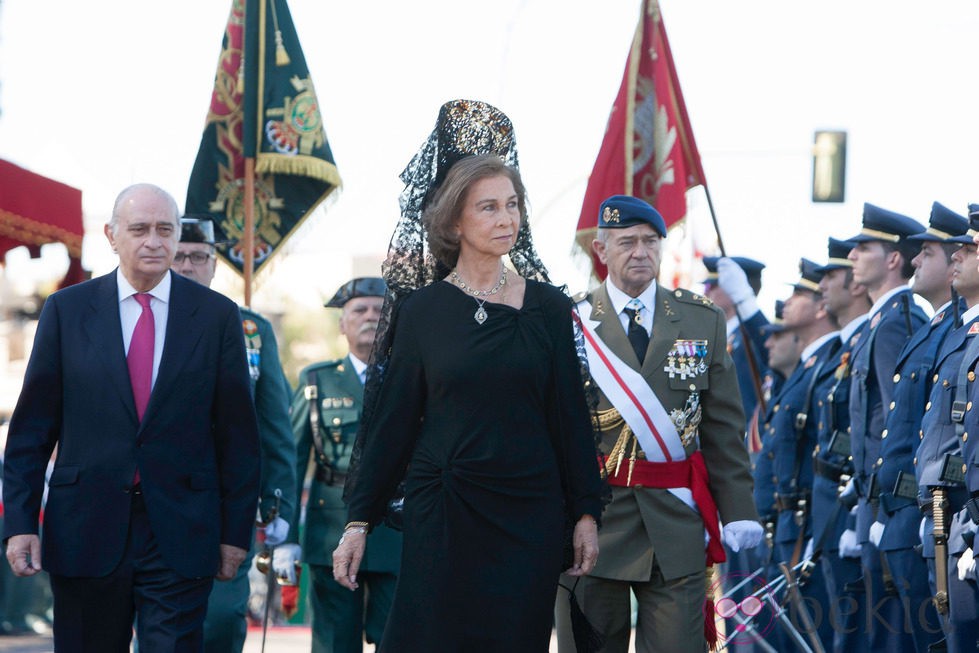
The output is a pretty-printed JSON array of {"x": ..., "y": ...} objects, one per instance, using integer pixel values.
[
  {"x": 326, "y": 412},
  {"x": 672, "y": 426},
  {"x": 139, "y": 379}
]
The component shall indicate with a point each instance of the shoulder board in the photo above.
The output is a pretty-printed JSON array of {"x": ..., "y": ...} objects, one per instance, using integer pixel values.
[
  {"x": 321, "y": 366},
  {"x": 690, "y": 297},
  {"x": 577, "y": 298}
]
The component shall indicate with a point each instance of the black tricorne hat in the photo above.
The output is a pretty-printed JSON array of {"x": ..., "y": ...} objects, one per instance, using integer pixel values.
[{"x": 359, "y": 287}]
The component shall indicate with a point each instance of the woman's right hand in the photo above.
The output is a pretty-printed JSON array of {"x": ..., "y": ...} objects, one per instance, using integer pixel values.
[{"x": 348, "y": 555}]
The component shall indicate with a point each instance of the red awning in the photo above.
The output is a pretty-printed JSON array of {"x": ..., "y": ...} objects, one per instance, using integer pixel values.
[{"x": 35, "y": 210}]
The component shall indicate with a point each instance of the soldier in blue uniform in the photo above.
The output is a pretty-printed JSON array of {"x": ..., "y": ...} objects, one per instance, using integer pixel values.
[
  {"x": 225, "y": 626},
  {"x": 881, "y": 257},
  {"x": 326, "y": 411},
  {"x": 895, "y": 532},
  {"x": 938, "y": 461},
  {"x": 790, "y": 436},
  {"x": 848, "y": 302},
  {"x": 733, "y": 284}
]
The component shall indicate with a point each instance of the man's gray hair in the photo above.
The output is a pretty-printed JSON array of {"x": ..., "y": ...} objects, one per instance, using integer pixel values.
[{"x": 129, "y": 190}]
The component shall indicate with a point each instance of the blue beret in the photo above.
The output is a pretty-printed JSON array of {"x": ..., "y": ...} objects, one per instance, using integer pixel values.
[
  {"x": 809, "y": 276},
  {"x": 887, "y": 226},
  {"x": 359, "y": 287},
  {"x": 621, "y": 211},
  {"x": 777, "y": 325},
  {"x": 837, "y": 251},
  {"x": 751, "y": 267},
  {"x": 943, "y": 224}
]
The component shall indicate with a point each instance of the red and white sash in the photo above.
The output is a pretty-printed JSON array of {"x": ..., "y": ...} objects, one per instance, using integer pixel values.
[{"x": 628, "y": 391}]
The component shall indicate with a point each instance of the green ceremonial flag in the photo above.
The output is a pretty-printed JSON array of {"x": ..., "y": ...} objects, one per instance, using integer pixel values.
[{"x": 264, "y": 107}]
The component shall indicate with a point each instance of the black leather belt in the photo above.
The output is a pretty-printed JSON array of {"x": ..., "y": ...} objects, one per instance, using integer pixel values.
[
  {"x": 330, "y": 476},
  {"x": 790, "y": 502}
]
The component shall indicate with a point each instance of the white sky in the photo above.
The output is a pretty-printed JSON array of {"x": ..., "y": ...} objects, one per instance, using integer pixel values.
[{"x": 106, "y": 93}]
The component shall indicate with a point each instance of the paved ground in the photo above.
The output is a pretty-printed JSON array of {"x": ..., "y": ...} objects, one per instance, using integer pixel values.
[{"x": 284, "y": 639}]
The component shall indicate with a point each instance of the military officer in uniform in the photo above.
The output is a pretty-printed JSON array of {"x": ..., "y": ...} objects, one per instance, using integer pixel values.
[
  {"x": 225, "y": 626},
  {"x": 895, "y": 531},
  {"x": 940, "y": 461},
  {"x": 881, "y": 257},
  {"x": 847, "y": 301},
  {"x": 733, "y": 284},
  {"x": 326, "y": 413},
  {"x": 790, "y": 434},
  {"x": 671, "y": 418}
]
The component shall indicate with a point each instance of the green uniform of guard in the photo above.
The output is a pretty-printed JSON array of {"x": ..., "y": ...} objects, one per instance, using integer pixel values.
[{"x": 333, "y": 393}]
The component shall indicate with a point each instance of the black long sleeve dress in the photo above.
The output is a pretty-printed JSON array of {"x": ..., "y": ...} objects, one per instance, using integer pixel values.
[{"x": 487, "y": 418}]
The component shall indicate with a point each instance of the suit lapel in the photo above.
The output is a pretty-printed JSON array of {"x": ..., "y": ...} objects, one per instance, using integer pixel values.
[
  {"x": 103, "y": 328},
  {"x": 666, "y": 328},
  {"x": 183, "y": 332}
]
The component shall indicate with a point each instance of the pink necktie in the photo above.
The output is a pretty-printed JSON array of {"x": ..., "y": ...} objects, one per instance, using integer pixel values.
[{"x": 140, "y": 357}]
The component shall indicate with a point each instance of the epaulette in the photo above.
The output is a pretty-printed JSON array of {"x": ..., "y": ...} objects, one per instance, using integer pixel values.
[
  {"x": 689, "y": 297},
  {"x": 577, "y": 298},
  {"x": 322, "y": 365}
]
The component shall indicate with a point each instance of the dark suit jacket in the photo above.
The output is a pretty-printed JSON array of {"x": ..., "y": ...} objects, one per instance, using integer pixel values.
[{"x": 196, "y": 448}]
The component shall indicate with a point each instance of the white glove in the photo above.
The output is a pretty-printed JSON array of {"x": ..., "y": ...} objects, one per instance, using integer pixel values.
[
  {"x": 743, "y": 534},
  {"x": 276, "y": 531},
  {"x": 284, "y": 559},
  {"x": 733, "y": 281},
  {"x": 808, "y": 553},
  {"x": 876, "y": 532},
  {"x": 849, "y": 547},
  {"x": 848, "y": 489},
  {"x": 967, "y": 566}
]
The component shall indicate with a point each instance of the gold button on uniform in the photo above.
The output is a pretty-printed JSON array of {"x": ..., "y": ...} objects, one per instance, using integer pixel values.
[
  {"x": 897, "y": 377},
  {"x": 934, "y": 379},
  {"x": 965, "y": 436},
  {"x": 880, "y": 461},
  {"x": 928, "y": 406},
  {"x": 893, "y": 403},
  {"x": 915, "y": 460},
  {"x": 336, "y": 421},
  {"x": 972, "y": 376},
  {"x": 883, "y": 434},
  {"x": 914, "y": 375},
  {"x": 944, "y": 383}
]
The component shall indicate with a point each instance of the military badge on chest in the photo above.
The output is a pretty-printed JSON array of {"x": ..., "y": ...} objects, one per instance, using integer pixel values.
[
  {"x": 253, "y": 348},
  {"x": 687, "y": 420},
  {"x": 687, "y": 359}
]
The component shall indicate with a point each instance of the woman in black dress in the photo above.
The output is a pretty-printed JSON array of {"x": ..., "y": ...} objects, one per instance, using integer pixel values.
[{"x": 482, "y": 404}]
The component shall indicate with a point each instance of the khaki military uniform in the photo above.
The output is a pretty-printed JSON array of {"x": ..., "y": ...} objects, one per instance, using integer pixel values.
[{"x": 650, "y": 540}]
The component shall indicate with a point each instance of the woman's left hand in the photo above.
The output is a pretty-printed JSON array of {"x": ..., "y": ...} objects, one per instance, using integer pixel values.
[{"x": 585, "y": 546}]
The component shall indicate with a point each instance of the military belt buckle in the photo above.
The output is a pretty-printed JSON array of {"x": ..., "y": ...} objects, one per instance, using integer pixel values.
[
  {"x": 958, "y": 411},
  {"x": 310, "y": 392},
  {"x": 800, "y": 421}
]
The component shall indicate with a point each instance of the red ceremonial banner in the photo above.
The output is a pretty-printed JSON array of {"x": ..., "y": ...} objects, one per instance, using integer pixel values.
[
  {"x": 648, "y": 150},
  {"x": 35, "y": 211}
]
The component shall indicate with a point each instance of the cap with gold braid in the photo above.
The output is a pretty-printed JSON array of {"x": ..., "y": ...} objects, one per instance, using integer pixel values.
[
  {"x": 973, "y": 231},
  {"x": 837, "y": 251},
  {"x": 886, "y": 226},
  {"x": 943, "y": 223},
  {"x": 777, "y": 325},
  {"x": 809, "y": 276}
]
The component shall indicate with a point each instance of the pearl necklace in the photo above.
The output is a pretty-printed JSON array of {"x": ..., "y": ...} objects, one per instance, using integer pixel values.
[{"x": 480, "y": 314}]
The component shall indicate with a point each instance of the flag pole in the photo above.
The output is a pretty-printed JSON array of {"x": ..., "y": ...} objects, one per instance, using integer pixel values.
[
  {"x": 749, "y": 346},
  {"x": 249, "y": 235}
]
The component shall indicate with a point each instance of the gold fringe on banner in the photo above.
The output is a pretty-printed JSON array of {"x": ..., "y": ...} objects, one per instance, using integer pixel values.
[{"x": 305, "y": 166}]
